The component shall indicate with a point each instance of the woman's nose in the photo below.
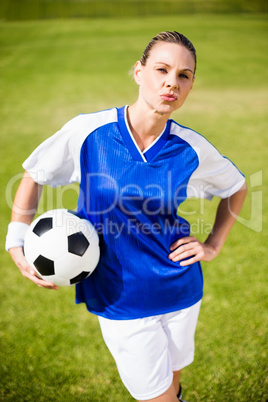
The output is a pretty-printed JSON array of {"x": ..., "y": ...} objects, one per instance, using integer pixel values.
[{"x": 172, "y": 83}]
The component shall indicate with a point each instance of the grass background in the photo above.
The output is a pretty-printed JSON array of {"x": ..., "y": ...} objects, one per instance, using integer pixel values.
[{"x": 50, "y": 71}]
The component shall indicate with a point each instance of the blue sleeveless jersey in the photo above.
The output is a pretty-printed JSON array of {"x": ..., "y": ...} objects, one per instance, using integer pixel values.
[{"x": 132, "y": 199}]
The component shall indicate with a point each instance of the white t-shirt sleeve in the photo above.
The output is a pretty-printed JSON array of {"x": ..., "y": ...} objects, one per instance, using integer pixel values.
[
  {"x": 215, "y": 175},
  {"x": 56, "y": 161}
]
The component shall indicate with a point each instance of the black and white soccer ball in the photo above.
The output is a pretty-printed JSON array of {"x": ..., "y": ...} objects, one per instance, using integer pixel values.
[{"x": 61, "y": 247}]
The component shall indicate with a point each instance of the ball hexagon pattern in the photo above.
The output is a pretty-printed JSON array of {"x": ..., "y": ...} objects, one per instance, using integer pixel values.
[
  {"x": 77, "y": 244},
  {"x": 61, "y": 247}
]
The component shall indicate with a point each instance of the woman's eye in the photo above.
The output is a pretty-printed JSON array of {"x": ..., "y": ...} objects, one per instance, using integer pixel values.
[
  {"x": 162, "y": 70},
  {"x": 184, "y": 76}
]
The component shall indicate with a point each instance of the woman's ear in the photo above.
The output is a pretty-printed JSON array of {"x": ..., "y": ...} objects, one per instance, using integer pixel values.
[
  {"x": 193, "y": 82},
  {"x": 137, "y": 72}
]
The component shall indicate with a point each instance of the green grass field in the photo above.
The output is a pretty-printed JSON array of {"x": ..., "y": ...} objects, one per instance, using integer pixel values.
[{"x": 50, "y": 71}]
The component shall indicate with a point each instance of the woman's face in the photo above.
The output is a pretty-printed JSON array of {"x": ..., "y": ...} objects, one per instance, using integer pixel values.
[{"x": 166, "y": 79}]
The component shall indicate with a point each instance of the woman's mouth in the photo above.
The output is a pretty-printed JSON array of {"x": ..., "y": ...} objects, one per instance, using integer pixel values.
[{"x": 169, "y": 97}]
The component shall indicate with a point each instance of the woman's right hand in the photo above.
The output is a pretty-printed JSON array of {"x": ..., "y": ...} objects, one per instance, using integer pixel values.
[{"x": 26, "y": 270}]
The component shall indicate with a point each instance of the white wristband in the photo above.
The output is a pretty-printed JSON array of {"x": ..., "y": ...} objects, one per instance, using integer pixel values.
[{"x": 15, "y": 234}]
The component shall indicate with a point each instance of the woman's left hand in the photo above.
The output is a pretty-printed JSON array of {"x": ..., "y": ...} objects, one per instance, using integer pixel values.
[{"x": 192, "y": 249}]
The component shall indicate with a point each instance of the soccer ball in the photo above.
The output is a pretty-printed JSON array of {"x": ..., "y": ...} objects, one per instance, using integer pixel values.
[{"x": 61, "y": 247}]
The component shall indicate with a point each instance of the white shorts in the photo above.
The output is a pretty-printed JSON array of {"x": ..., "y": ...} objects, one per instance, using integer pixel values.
[{"x": 148, "y": 350}]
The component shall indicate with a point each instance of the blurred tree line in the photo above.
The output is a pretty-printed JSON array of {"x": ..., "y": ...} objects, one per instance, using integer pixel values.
[{"x": 12, "y": 10}]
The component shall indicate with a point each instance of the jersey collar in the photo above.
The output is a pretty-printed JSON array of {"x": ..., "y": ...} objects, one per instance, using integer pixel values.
[{"x": 150, "y": 152}]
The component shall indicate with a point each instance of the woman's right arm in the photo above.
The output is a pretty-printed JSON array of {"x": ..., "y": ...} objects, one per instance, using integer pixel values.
[{"x": 23, "y": 211}]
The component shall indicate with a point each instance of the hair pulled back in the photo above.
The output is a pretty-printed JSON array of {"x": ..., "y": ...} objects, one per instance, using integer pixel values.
[{"x": 171, "y": 37}]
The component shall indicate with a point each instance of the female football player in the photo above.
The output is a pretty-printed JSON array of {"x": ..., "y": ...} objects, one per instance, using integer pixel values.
[{"x": 135, "y": 167}]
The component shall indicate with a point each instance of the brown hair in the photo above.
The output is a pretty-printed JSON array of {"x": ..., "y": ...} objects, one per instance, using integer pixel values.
[{"x": 171, "y": 37}]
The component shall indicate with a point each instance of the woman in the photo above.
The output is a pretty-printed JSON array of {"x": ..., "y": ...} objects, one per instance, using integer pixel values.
[{"x": 135, "y": 167}]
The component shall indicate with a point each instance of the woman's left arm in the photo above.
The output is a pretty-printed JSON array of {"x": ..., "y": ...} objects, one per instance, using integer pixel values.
[{"x": 192, "y": 249}]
